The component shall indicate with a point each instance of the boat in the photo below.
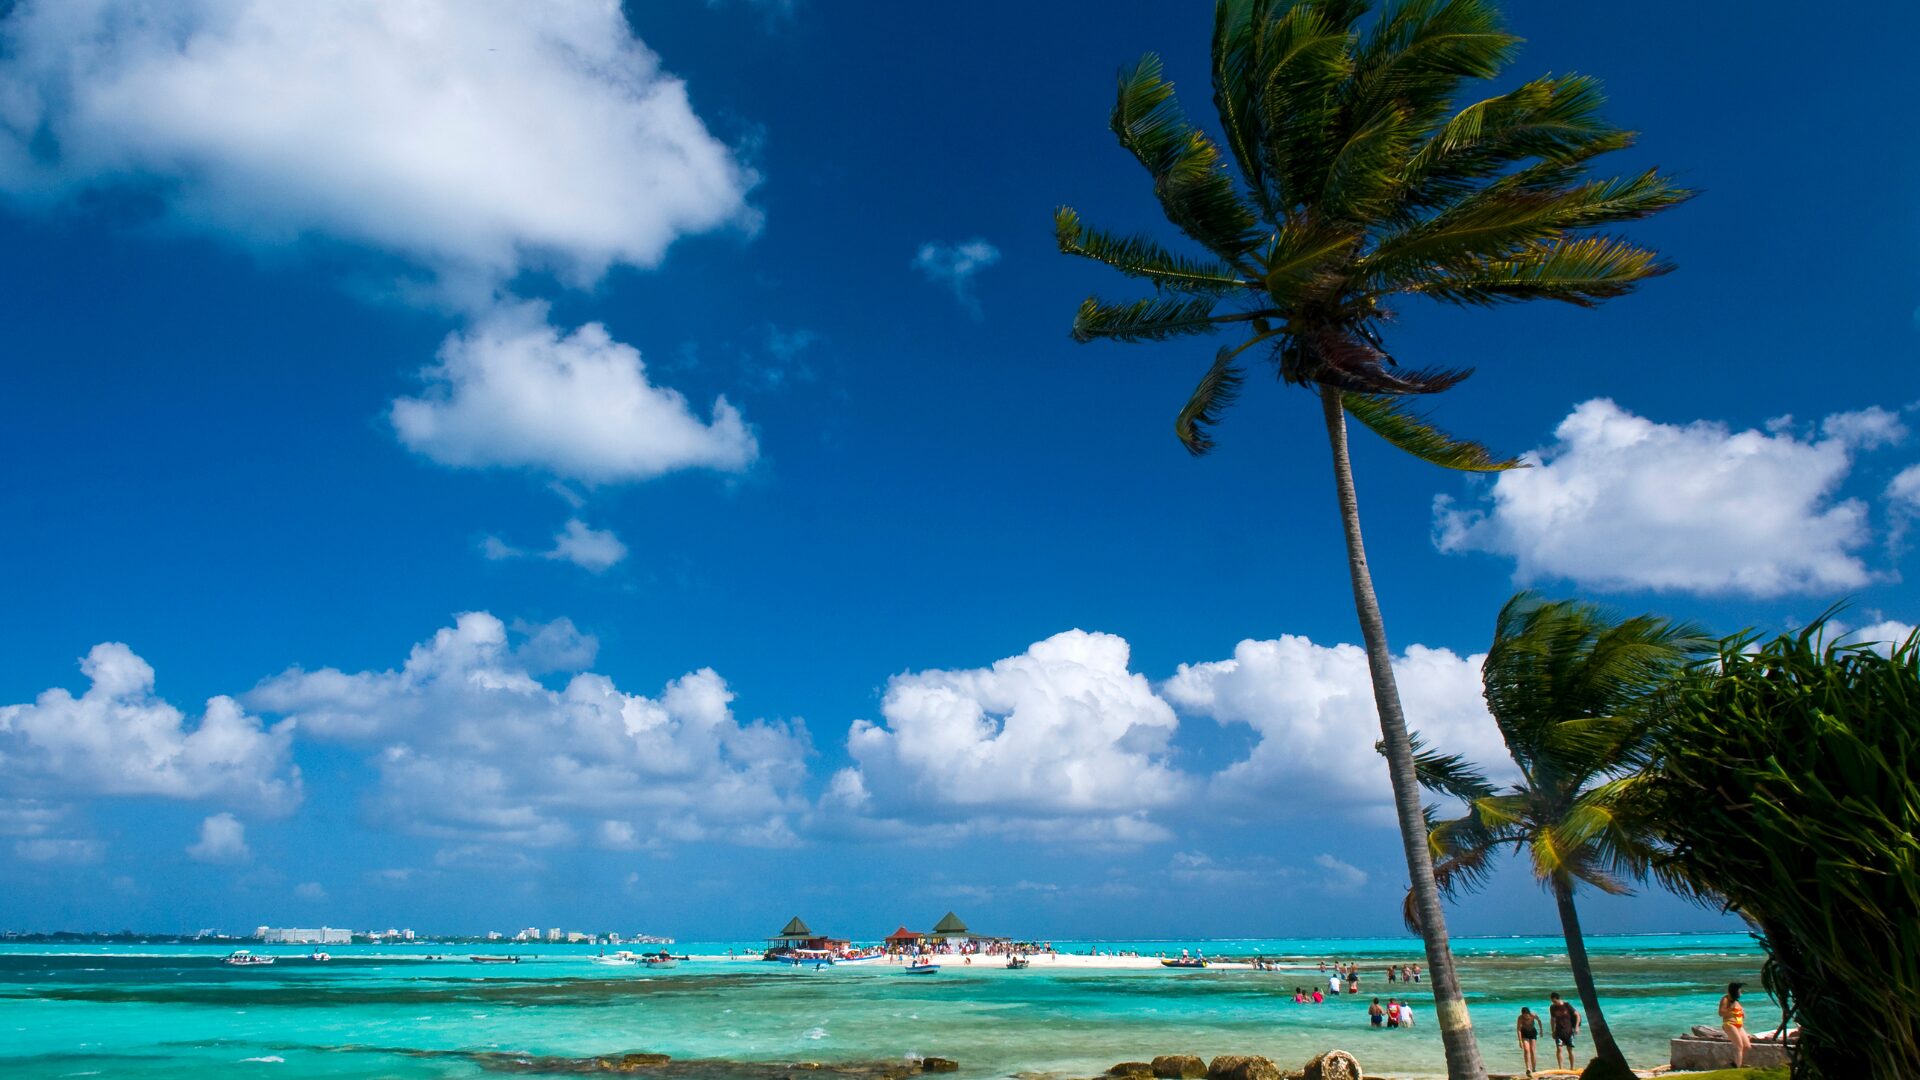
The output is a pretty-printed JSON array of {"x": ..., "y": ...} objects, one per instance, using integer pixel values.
[
  {"x": 320, "y": 956},
  {"x": 494, "y": 959},
  {"x": 1015, "y": 963},
  {"x": 861, "y": 956},
  {"x": 616, "y": 960},
  {"x": 243, "y": 958},
  {"x": 921, "y": 967},
  {"x": 1184, "y": 962},
  {"x": 659, "y": 960},
  {"x": 813, "y": 958}
]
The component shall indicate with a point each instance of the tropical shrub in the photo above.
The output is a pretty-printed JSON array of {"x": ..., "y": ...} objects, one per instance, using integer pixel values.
[{"x": 1785, "y": 779}]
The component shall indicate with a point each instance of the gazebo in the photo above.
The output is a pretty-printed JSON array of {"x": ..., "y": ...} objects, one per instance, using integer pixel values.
[
  {"x": 904, "y": 938},
  {"x": 798, "y": 935},
  {"x": 950, "y": 927}
]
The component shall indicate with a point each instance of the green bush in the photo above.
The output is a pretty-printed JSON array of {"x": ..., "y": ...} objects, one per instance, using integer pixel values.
[{"x": 1785, "y": 780}]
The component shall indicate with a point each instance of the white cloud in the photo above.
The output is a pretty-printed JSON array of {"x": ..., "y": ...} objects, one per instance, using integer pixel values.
[
  {"x": 310, "y": 891},
  {"x": 1059, "y": 742},
  {"x": 1884, "y": 634},
  {"x": 588, "y": 548},
  {"x": 514, "y": 391},
  {"x": 476, "y": 139},
  {"x": 117, "y": 738},
  {"x": 470, "y": 746},
  {"x": 1312, "y": 708},
  {"x": 591, "y": 549},
  {"x": 222, "y": 840},
  {"x": 1621, "y": 502},
  {"x": 1340, "y": 878},
  {"x": 1903, "y": 501},
  {"x": 53, "y": 849},
  {"x": 955, "y": 266}
]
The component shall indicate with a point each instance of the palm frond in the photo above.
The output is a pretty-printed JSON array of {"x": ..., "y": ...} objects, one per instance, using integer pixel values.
[
  {"x": 1140, "y": 257},
  {"x": 1582, "y": 272},
  {"x": 1194, "y": 188},
  {"x": 1420, "y": 50},
  {"x": 1442, "y": 773},
  {"x": 1394, "y": 420},
  {"x": 1142, "y": 320},
  {"x": 1218, "y": 389}
]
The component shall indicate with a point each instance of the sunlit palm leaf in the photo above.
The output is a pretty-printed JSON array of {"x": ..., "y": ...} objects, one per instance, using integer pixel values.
[{"x": 1393, "y": 419}]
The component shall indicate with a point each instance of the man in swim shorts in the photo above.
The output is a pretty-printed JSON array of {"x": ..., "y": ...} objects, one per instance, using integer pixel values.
[{"x": 1565, "y": 1021}]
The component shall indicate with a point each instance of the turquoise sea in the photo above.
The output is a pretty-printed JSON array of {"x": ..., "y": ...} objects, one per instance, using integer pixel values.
[{"x": 382, "y": 1011}]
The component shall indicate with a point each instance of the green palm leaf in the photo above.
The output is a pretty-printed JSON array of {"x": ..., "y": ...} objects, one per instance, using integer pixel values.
[{"x": 1393, "y": 419}]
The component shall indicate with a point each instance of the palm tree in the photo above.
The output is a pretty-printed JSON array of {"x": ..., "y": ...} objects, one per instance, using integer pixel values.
[
  {"x": 1359, "y": 182},
  {"x": 1568, "y": 685}
]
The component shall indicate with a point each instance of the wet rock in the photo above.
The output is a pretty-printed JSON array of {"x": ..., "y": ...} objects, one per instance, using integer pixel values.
[
  {"x": 938, "y": 1064},
  {"x": 1242, "y": 1067},
  {"x": 1132, "y": 1068},
  {"x": 1178, "y": 1067}
]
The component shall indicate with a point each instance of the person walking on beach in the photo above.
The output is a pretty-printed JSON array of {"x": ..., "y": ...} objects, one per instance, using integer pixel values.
[
  {"x": 1733, "y": 1020},
  {"x": 1529, "y": 1029},
  {"x": 1565, "y": 1021}
]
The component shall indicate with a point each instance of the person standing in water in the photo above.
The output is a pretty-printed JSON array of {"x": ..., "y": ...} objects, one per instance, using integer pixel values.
[
  {"x": 1566, "y": 1021},
  {"x": 1733, "y": 1020},
  {"x": 1375, "y": 1014},
  {"x": 1529, "y": 1030}
]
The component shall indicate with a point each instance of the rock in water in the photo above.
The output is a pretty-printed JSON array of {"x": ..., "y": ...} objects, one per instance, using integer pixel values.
[
  {"x": 1332, "y": 1065},
  {"x": 1243, "y": 1067},
  {"x": 935, "y": 1064},
  {"x": 1132, "y": 1068},
  {"x": 1179, "y": 1067}
]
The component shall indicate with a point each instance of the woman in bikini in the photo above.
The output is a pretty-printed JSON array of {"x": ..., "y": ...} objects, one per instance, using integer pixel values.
[
  {"x": 1733, "y": 1020},
  {"x": 1529, "y": 1029}
]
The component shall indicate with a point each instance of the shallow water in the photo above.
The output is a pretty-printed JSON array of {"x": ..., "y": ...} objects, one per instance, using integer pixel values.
[{"x": 163, "y": 1011}]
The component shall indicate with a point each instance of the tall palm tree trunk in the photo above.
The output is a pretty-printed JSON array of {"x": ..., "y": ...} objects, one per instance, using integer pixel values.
[
  {"x": 1450, "y": 1008},
  {"x": 1604, "y": 1047}
]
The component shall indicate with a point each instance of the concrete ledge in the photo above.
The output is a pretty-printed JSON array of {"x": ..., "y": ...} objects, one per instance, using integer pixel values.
[{"x": 1697, "y": 1054}]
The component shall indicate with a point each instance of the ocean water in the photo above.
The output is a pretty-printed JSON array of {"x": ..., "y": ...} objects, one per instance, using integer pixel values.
[{"x": 381, "y": 1011}]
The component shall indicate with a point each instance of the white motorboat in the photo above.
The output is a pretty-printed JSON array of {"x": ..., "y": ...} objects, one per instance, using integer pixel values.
[
  {"x": 320, "y": 956},
  {"x": 243, "y": 958}
]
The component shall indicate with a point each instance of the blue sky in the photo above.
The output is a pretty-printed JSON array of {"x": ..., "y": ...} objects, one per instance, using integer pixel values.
[{"x": 629, "y": 470}]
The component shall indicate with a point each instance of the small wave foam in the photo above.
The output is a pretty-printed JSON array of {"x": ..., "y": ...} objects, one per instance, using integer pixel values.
[
  {"x": 815, "y": 1033},
  {"x": 270, "y": 1059}
]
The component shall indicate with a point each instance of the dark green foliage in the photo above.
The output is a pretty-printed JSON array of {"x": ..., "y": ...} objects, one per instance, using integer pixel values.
[
  {"x": 1356, "y": 169},
  {"x": 1786, "y": 780}
]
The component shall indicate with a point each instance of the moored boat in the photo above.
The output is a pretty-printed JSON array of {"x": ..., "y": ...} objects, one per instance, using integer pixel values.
[
  {"x": 243, "y": 958},
  {"x": 482, "y": 959},
  {"x": 659, "y": 960},
  {"x": 616, "y": 960},
  {"x": 320, "y": 956},
  {"x": 1015, "y": 963},
  {"x": 921, "y": 967},
  {"x": 1183, "y": 962}
]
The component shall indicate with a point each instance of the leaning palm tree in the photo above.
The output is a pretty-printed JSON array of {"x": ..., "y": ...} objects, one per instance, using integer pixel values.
[
  {"x": 1361, "y": 180},
  {"x": 1568, "y": 685}
]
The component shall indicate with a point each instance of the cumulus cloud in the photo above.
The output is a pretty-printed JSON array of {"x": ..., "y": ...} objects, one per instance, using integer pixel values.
[
  {"x": 1311, "y": 707},
  {"x": 470, "y": 746},
  {"x": 515, "y": 391},
  {"x": 310, "y": 891},
  {"x": 1903, "y": 501},
  {"x": 1338, "y": 877},
  {"x": 1059, "y": 742},
  {"x": 591, "y": 549},
  {"x": 955, "y": 265},
  {"x": 1621, "y": 502},
  {"x": 474, "y": 139},
  {"x": 223, "y": 839},
  {"x": 117, "y": 738}
]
